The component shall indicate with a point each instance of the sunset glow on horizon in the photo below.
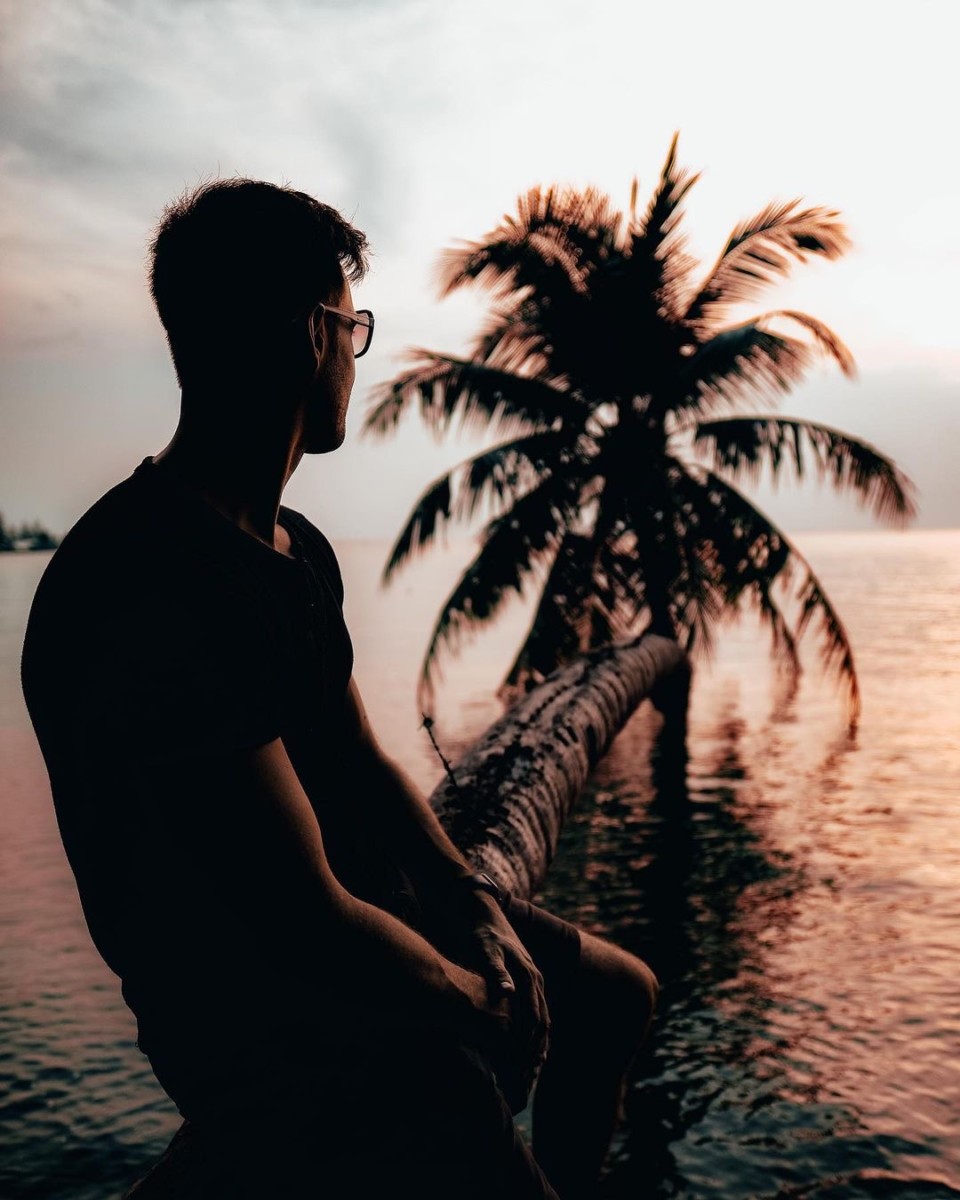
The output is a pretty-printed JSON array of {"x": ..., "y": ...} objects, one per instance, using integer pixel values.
[{"x": 423, "y": 122}]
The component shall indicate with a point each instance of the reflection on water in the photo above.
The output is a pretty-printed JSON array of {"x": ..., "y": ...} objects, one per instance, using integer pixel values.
[
  {"x": 796, "y": 891},
  {"x": 799, "y": 904}
]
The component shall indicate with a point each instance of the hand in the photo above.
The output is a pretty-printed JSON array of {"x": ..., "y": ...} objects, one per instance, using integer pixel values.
[{"x": 487, "y": 943}]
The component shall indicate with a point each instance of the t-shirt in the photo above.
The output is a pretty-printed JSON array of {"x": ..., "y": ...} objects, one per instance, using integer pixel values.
[{"x": 161, "y": 634}]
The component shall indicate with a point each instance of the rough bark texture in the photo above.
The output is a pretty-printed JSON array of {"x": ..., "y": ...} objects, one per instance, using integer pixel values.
[{"x": 514, "y": 788}]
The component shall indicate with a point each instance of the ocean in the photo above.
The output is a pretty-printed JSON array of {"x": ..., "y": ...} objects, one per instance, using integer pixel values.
[{"x": 797, "y": 894}]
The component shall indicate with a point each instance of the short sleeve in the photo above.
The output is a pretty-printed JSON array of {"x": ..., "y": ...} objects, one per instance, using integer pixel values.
[
  {"x": 321, "y": 553},
  {"x": 185, "y": 677},
  {"x": 332, "y": 565}
]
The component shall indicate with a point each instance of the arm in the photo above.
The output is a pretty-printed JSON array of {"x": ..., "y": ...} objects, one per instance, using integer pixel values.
[
  {"x": 480, "y": 932},
  {"x": 433, "y": 862},
  {"x": 264, "y": 846},
  {"x": 182, "y": 704}
]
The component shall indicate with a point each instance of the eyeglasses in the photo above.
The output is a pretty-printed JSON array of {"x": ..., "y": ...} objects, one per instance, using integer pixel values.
[{"x": 361, "y": 330}]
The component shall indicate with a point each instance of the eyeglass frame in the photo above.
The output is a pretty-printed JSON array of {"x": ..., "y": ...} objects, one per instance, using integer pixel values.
[{"x": 342, "y": 312}]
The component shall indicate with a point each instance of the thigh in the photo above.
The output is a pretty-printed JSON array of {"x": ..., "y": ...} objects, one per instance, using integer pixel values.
[
  {"x": 452, "y": 1133},
  {"x": 421, "y": 1116},
  {"x": 589, "y": 981}
]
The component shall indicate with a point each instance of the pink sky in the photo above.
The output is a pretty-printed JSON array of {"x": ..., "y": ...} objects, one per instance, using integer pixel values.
[{"x": 422, "y": 121}]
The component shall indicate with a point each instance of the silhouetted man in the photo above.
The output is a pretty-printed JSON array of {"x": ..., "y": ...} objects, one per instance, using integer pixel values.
[{"x": 322, "y": 984}]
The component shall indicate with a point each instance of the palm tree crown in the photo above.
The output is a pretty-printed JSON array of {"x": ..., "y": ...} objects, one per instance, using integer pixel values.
[{"x": 610, "y": 371}]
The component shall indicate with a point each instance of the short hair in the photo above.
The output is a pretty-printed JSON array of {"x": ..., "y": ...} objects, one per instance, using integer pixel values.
[{"x": 245, "y": 256}]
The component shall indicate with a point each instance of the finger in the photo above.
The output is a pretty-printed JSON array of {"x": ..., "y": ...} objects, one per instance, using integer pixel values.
[
  {"x": 526, "y": 972},
  {"x": 527, "y": 1037},
  {"x": 495, "y": 966},
  {"x": 538, "y": 1000}
]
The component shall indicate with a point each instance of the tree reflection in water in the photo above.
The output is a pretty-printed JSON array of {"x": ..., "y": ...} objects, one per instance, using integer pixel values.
[{"x": 670, "y": 859}]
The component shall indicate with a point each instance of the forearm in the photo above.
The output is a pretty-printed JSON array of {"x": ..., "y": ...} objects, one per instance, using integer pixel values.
[
  {"x": 361, "y": 958},
  {"x": 417, "y": 839}
]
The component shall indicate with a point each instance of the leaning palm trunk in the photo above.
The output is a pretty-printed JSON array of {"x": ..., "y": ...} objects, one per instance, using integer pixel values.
[
  {"x": 513, "y": 790},
  {"x": 506, "y": 804}
]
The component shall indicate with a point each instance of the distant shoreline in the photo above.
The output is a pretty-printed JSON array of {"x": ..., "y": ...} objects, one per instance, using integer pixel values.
[{"x": 27, "y": 535}]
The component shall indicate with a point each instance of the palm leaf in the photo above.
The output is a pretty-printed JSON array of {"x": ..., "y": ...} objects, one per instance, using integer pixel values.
[
  {"x": 659, "y": 264},
  {"x": 498, "y": 475},
  {"x": 750, "y": 360},
  {"x": 663, "y": 211},
  {"x": 759, "y": 252},
  {"x": 687, "y": 578},
  {"x": 555, "y": 631},
  {"x": 580, "y": 603},
  {"x": 513, "y": 546},
  {"x": 743, "y": 444},
  {"x": 824, "y": 337},
  {"x": 734, "y": 516},
  {"x": 741, "y": 362},
  {"x": 784, "y": 640},
  {"x": 548, "y": 246},
  {"x": 480, "y": 396},
  {"x": 431, "y": 508}
]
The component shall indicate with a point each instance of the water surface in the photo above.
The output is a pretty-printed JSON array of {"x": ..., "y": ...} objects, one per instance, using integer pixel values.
[{"x": 797, "y": 891}]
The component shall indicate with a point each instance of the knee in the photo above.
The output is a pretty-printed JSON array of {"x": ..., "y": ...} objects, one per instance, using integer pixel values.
[
  {"x": 625, "y": 993},
  {"x": 638, "y": 990}
]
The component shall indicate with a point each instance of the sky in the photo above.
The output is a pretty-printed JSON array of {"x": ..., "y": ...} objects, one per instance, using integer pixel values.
[{"x": 422, "y": 121}]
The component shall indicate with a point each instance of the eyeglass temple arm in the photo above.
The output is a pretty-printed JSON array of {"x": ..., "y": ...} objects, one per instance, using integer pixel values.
[{"x": 366, "y": 321}]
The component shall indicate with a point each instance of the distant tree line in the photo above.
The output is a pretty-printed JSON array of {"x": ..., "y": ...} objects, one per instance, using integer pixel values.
[{"x": 29, "y": 536}]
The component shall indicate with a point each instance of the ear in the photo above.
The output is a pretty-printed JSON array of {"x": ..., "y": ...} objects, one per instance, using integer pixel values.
[{"x": 318, "y": 335}]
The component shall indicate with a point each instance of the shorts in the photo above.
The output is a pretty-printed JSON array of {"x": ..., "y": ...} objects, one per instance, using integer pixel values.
[
  {"x": 422, "y": 1118},
  {"x": 412, "y": 1113}
]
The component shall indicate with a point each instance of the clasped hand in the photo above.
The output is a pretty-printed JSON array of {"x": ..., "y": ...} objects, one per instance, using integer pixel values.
[{"x": 484, "y": 941}]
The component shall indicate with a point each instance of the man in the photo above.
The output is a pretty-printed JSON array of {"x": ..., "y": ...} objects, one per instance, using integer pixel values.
[{"x": 321, "y": 983}]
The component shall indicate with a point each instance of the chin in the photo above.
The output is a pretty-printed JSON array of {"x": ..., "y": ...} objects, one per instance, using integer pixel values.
[{"x": 324, "y": 441}]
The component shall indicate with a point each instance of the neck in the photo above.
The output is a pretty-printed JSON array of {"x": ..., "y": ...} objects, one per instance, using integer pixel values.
[{"x": 241, "y": 472}]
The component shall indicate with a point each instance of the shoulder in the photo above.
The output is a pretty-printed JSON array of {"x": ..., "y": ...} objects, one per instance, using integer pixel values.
[
  {"x": 318, "y": 547},
  {"x": 314, "y": 536},
  {"x": 126, "y": 573},
  {"x": 99, "y": 562}
]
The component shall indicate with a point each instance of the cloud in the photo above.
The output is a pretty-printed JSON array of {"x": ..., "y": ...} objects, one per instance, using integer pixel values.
[
  {"x": 422, "y": 121},
  {"x": 111, "y": 109}
]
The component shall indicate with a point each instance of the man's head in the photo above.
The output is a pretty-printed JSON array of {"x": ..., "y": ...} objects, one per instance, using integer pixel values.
[{"x": 237, "y": 267}]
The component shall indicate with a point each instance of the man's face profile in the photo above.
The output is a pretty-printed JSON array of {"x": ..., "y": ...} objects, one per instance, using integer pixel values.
[{"x": 328, "y": 397}]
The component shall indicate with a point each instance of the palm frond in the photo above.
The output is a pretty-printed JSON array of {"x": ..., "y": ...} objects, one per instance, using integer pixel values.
[
  {"x": 759, "y": 252},
  {"x": 824, "y": 337},
  {"x": 784, "y": 641},
  {"x": 730, "y": 555},
  {"x": 836, "y": 651},
  {"x": 498, "y": 475},
  {"x": 513, "y": 546},
  {"x": 554, "y": 633},
  {"x": 551, "y": 245},
  {"x": 585, "y": 217},
  {"x": 481, "y": 396},
  {"x": 663, "y": 211},
  {"x": 422, "y": 524},
  {"x": 731, "y": 519},
  {"x": 742, "y": 445},
  {"x": 699, "y": 601},
  {"x": 745, "y": 361},
  {"x": 514, "y": 339},
  {"x": 670, "y": 567},
  {"x": 656, "y": 246}
]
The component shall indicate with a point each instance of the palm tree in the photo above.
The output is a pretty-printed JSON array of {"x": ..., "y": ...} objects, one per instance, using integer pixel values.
[{"x": 611, "y": 372}]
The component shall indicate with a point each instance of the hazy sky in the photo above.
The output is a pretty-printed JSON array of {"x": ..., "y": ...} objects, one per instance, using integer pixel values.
[{"x": 422, "y": 121}]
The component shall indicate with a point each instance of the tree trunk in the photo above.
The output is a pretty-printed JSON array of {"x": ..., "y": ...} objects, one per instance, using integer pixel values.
[
  {"x": 516, "y": 785},
  {"x": 514, "y": 788}
]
